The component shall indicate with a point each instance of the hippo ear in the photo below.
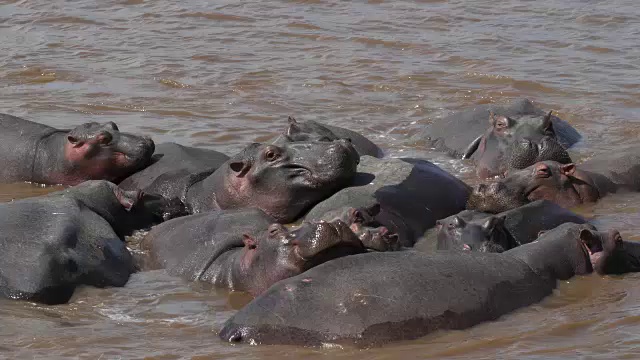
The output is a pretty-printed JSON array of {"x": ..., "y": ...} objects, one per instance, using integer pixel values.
[
  {"x": 472, "y": 147},
  {"x": 293, "y": 127},
  {"x": 490, "y": 224},
  {"x": 249, "y": 241},
  {"x": 74, "y": 140},
  {"x": 492, "y": 118},
  {"x": 568, "y": 169},
  {"x": 547, "y": 124},
  {"x": 240, "y": 167}
]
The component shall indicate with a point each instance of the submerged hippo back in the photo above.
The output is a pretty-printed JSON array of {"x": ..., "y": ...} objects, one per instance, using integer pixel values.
[
  {"x": 452, "y": 134},
  {"x": 51, "y": 245},
  {"x": 412, "y": 195},
  {"x": 19, "y": 139},
  {"x": 188, "y": 245},
  {"x": 348, "y": 301}
]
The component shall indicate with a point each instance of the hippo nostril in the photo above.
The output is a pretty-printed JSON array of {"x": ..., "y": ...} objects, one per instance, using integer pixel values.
[{"x": 235, "y": 337}]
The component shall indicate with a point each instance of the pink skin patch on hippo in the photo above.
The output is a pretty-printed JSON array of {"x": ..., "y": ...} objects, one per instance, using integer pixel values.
[{"x": 89, "y": 161}]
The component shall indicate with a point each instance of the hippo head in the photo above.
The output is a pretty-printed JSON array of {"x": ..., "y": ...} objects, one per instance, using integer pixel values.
[
  {"x": 484, "y": 235},
  {"x": 95, "y": 151},
  {"x": 609, "y": 254},
  {"x": 606, "y": 251},
  {"x": 280, "y": 253},
  {"x": 286, "y": 180},
  {"x": 515, "y": 143},
  {"x": 563, "y": 184},
  {"x": 372, "y": 234}
]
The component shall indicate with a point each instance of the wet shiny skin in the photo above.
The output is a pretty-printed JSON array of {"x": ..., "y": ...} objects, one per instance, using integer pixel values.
[{"x": 221, "y": 74}]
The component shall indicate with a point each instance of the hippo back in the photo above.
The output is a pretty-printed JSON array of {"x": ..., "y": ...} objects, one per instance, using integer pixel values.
[
  {"x": 412, "y": 195},
  {"x": 52, "y": 244},
  {"x": 186, "y": 246},
  {"x": 172, "y": 158},
  {"x": 371, "y": 299},
  {"x": 453, "y": 134},
  {"x": 622, "y": 167},
  {"x": 19, "y": 137},
  {"x": 527, "y": 222}
]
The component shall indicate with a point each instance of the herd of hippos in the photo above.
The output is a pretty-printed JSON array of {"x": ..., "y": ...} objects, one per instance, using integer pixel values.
[{"x": 353, "y": 265}]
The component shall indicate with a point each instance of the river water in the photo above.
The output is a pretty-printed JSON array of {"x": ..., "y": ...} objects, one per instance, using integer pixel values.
[{"x": 223, "y": 73}]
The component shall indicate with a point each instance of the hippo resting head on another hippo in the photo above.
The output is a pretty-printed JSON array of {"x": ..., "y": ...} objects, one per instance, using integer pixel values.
[
  {"x": 92, "y": 151},
  {"x": 241, "y": 250},
  {"x": 375, "y": 298},
  {"x": 478, "y": 231},
  {"x": 314, "y": 131},
  {"x": 519, "y": 135},
  {"x": 563, "y": 184},
  {"x": 515, "y": 144},
  {"x": 52, "y": 244},
  {"x": 283, "y": 180}
]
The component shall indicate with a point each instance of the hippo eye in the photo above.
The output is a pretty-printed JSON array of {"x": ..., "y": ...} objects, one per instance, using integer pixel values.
[
  {"x": 275, "y": 229},
  {"x": 271, "y": 155}
]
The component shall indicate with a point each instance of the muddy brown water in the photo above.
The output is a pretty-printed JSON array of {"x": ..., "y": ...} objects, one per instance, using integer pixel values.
[{"x": 220, "y": 74}]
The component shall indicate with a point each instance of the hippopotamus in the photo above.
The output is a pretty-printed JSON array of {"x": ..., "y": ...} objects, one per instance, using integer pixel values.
[
  {"x": 565, "y": 184},
  {"x": 412, "y": 195},
  {"x": 375, "y": 298},
  {"x": 38, "y": 153},
  {"x": 519, "y": 135},
  {"x": 54, "y": 243},
  {"x": 176, "y": 161},
  {"x": 314, "y": 131},
  {"x": 283, "y": 180},
  {"x": 373, "y": 235},
  {"x": 479, "y": 231},
  {"x": 245, "y": 250}
]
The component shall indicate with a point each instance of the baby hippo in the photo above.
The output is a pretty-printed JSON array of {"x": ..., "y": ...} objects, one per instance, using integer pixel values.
[
  {"x": 39, "y": 153},
  {"x": 479, "y": 231}
]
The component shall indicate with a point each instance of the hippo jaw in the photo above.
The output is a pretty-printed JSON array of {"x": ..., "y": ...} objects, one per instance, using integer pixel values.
[{"x": 95, "y": 151}]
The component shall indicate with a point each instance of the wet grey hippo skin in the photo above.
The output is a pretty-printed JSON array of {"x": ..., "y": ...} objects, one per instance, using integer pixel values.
[
  {"x": 39, "y": 153},
  {"x": 412, "y": 195},
  {"x": 173, "y": 161},
  {"x": 314, "y": 131},
  {"x": 242, "y": 250},
  {"x": 565, "y": 184},
  {"x": 499, "y": 138},
  {"x": 373, "y": 235},
  {"x": 54, "y": 243},
  {"x": 375, "y": 298},
  {"x": 282, "y": 180},
  {"x": 478, "y": 231}
]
